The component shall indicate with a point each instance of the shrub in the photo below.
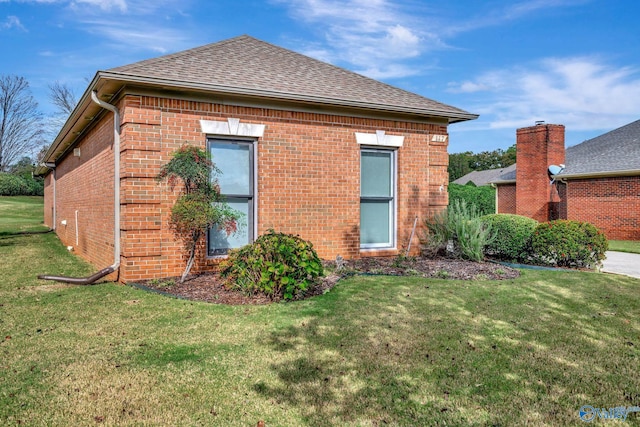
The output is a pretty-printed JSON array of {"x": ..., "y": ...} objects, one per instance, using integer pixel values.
[
  {"x": 438, "y": 233},
  {"x": 459, "y": 225},
  {"x": 11, "y": 185},
  {"x": 16, "y": 185},
  {"x": 484, "y": 197},
  {"x": 512, "y": 236},
  {"x": 568, "y": 243},
  {"x": 201, "y": 206},
  {"x": 282, "y": 266}
]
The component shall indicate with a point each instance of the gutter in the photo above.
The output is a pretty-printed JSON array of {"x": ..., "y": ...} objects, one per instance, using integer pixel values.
[
  {"x": 452, "y": 116},
  {"x": 116, "y": 208},
  {"x": 628, "y": 172}
]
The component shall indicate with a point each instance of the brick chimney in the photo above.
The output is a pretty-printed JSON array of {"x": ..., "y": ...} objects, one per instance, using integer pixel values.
[{"x": 537, "y": 148}]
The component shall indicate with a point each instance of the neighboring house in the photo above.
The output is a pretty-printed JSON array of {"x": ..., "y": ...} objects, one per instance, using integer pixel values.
[
  {"x": 485, "y": 177},
  {"x": 305, "y": 147},
  {"x": 600, "y": 182}
]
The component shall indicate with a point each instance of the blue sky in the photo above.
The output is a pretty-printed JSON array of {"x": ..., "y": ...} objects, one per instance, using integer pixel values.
[{"x": 571, "y": 62}]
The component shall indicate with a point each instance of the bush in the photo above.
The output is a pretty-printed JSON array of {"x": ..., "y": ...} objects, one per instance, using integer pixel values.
[
  {"x": 567, "y": 243},
  {"x": 460, "y": 226},
  {"x": 512, "y": 236},
  {"x": 484, "y": 198},
  {"x": 16, "y": 185},
  {"x": 281, "y": 266},
  {"x": 13, "y": 185}
]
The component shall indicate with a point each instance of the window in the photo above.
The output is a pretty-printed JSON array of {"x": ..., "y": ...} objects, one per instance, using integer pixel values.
[
  {"x": 377, "y": 203},
  {"x": 235, "y": 161}
]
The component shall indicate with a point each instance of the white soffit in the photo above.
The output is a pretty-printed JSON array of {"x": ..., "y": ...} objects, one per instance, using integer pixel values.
[
  {"x": 380, "y": 139},
  {"x": 232, "y": 127}
]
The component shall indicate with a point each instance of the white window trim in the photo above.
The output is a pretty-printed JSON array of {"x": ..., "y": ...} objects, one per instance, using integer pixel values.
[
  {"x": 379, "y": 139},
  {"x": 370, "y": 247},
  {"x": 232, "y": 127}
]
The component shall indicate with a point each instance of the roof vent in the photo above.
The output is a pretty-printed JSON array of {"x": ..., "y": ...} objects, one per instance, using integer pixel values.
[{"x": 539, "y": 122}]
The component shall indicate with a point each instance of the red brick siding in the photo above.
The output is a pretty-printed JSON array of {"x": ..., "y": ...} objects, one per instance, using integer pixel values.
[
  {"x": 562, "y": 205},
  {"x": 85, "y": 184},
  {"x": 612, "y": 204},
  {"x": 507, "y": 199},
  {"x": 537, "y": 148},
  {"x": 308, "y": 179}
]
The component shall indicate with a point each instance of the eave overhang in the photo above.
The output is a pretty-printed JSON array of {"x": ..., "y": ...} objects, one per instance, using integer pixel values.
[
  {"x": 110, "y": 86},
  {"x": 603, "y": 174}
]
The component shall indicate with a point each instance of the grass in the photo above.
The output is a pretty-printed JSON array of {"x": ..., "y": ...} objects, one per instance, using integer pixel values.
[
  {"x": 625, "y": 246},
  {"x": 374, "y": 351},
  {"x": 21, "y": 213}
]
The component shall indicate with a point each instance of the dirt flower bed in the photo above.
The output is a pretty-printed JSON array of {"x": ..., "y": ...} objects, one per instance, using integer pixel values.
[{"x": 209, "y": 287}]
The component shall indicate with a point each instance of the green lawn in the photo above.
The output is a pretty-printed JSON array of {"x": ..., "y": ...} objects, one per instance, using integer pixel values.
[
  {"x": 21, "y": 213},
  {"x": 624, "y": 246},
  {"x": 374, "y": 351}
]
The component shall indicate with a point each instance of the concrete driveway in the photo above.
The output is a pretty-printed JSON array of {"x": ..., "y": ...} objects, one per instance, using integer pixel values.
[{"x": 622, "y": 263}]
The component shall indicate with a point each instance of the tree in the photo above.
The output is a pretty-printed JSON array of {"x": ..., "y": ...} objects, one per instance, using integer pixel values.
[
  {"x": 461, "y": 164},
  {"x": 20, "y": 120},
  {"x": 63, "y": 97},
  {"x": 201, "y": 206}
]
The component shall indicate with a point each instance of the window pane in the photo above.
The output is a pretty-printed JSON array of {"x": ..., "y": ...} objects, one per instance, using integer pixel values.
[
  {"x": 375, "y": 222},
  {"x": 234, "y": 160},
  {"x": 375, "y": 174},
  {"x": 219, "y": 242}
]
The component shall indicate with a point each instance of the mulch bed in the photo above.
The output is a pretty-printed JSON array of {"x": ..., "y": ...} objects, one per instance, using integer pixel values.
[{"x": 209, "y": 287}]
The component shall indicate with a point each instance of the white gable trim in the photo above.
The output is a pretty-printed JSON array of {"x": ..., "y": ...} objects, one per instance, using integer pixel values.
[
  {"x": 379, "y": 139},
  {"x": 232, "y": 127}
]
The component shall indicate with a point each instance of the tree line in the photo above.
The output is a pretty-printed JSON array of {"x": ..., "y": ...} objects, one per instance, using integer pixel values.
[
  {"x": 26, "y": 133},
  {"x": 461, "y": 164}
]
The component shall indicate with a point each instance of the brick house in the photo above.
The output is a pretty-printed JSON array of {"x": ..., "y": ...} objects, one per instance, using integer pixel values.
[
  {"x": 600, "y": 182},
  {"x": 305, "y": 147}
]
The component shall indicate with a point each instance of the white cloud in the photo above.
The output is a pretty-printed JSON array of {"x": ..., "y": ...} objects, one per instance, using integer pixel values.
[
  {"x": 104, "y": 5},
  {"x": 375, "y": 36},
  {"x": 582, "y": 93},
  {"x": 140, "y": 36},
  {"x": 511, "y": 11},
  {"x": 12, "y": 22}
]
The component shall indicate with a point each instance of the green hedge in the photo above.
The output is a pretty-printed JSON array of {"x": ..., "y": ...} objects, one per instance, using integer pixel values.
[
  {"x": 484, "y": 198},
  {"x": 512, "y": 236},
  {"x": 15, "y": 185},
  {"x": 566, "y": 243}
]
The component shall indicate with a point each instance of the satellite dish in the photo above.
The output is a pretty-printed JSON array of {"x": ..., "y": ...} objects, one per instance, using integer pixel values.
[{"x": 555, "y": 169}]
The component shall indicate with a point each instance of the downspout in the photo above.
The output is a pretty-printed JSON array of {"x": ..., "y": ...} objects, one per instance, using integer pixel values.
[
  {"x": 116, "y": 208},
  {"x": 495, "y": 187}
]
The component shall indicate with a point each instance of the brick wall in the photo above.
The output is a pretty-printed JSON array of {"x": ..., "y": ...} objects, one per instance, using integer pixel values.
[
  {"x": 506, "y": 198},
  {"x": 308, "y": 180},
  {"x": 537, "y": 147},
  {"x": 612, "y": 204},
  {"x": 84, "y": 197}
]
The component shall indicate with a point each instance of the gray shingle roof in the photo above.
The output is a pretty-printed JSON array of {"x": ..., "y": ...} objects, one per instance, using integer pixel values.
[
  {"x": 249, "y": 66},
  {"x": 618, "y": 150},
  {"x": 487, "y": 176}
]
